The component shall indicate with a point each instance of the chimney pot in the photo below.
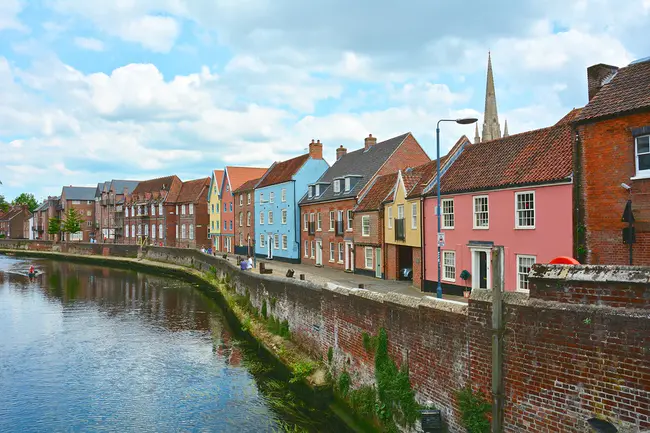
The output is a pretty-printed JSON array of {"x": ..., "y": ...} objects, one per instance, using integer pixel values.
[
  {"x": 596, "y": 76},
  {"x": 370, "y": 141},
  {"x": 316, "y": 150},
  {"x": 340, "y": 152}
]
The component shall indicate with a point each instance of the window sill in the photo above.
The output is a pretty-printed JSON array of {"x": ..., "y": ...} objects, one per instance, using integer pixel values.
[
  {"x": 525, "y": 228},
  {"x": 641, "y": 176},
  {"x": 365, "y": 236},
  {"x": 369, "y": 268},
  {"x": 449, "y": 280},
  {"x": 448, "y": 228},
  {"x": 481, "y": 228}
]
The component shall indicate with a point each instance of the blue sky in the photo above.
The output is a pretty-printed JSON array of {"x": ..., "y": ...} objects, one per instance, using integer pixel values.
[{"x": 135, "y": 89}]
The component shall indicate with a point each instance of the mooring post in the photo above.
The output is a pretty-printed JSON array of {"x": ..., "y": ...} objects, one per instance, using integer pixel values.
[{"x": 497, "y": 339}]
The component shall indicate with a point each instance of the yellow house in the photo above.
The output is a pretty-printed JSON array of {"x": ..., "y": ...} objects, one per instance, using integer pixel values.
[{"x": 214, "y": 208}]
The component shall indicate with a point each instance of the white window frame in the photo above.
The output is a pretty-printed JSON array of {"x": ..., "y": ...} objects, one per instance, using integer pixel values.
[
  {"x": 319, "y": 222},
  {"x": 153, "y": 231},
  {"x": 640, "y": 173},
  {"x": 517, "y": 210},
  {"x": 248, "y": 198},
  {"x": 248, "y": 219},
  {"x": 262, "y": 240},
  {"x": 365, "y": 219},
  {"x": 347, "y": 184},
  {"x": 276, "y": 241},
  {"x": 341, "y": 252},
  {"x": 310, "y": 191},
  {"x": 241, "y": 219},
  {"x": 444, "y": 204},
  {"x": 160, "y": 231},
  {"x": 191, "y": 208},
  {"x": 445, "y": 267},
  {"x": 313, "y": 250},
  {"x": 241, "y": 200},
  {"x": 153, "y": 209},
  {"x": 350, "y": 219},
  {"x": 191, "y": 230},
  {"x": 518, "y": 274},
  {"x": 271, "y": 197},
  {"x": 261, "y": 197},
  {"x": 160, "y": 209},
  {"x": 306, "y": 248},
  {"x": 182, "y": 209},
  {"x": 474, "y": 214},
  {"x": 368, "y": 257},
  {"x": 390, "y": 217},
  {"x": 285, "y": 242},
  {"x": 337, "y": 186},
  {"x": 241, "y": 239},
  {"x": 270, "y": 217},
  {"x": 283, "y": 195},
  {"x": 305, "y": 222},
  {"x": 332, "y": 220},
  {"x": 414, "y": 216},
  {"x": 332, "y": 251},
  {"x": 317, "y": 191},
  {"x": 183, "y": 231},
  {"x": 262, "y": 218}
]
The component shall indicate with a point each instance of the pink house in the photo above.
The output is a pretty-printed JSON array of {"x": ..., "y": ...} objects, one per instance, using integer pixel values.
[{"x": 514, "y": 192}]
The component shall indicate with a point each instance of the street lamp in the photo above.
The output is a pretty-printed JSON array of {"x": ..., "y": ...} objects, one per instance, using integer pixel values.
[{"x": 463, "y": 121}]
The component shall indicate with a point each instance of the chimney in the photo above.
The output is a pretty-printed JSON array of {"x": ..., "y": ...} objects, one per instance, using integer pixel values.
[
  {"x": 370, "y": 141},
  {"x": 596, "y": 77},
  {"x": 340, "y": 152},
  {"x": 316, "y": 150}
]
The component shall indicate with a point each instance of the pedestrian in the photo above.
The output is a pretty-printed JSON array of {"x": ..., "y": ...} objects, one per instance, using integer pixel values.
[
  {"x": 249, "y": 263},
  {"x": 243, "y": 265}
]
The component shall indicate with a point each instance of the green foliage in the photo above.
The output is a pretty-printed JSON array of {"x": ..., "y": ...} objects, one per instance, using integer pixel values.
[
  {"x": 274, "y": 301},
  {"x": 344, "y": 383},
  {"x": 54, "y": 226},
  {"x": 4, "y": 206},
  {"x": 264, "y": 312},
  {"x": 26, "y": 199},
  {"x": 301, "y": 370},
  {"x": 330, "y": 355},
  {"x": 369, "y": 342},
  {"x": 474, "y": 408},
  {"x": 582, "y": 250},
  {"x": 246, "y": 325},
  {"x": 363, "y": 400},
  {"x": 72, "y": 222},
  {"x": 278, "y": 328}
]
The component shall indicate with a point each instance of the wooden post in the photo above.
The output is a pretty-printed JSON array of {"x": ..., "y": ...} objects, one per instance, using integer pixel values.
[{"x": 497, "y": 339}]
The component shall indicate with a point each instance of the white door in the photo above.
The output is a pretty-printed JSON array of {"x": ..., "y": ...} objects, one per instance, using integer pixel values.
[
  {"x": 319, "y": 253},
  {"x": 481, "y": 272},
  {"x": 270, "y": 244}
]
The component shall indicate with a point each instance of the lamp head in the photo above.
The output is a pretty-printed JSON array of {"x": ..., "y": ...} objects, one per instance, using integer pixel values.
[
  {"x": 466, "y": 120},
  {"x": 626, "y": 186}
]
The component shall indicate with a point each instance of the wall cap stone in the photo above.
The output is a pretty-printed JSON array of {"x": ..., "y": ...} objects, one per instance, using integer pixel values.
[{"x": 592, "y": 273}]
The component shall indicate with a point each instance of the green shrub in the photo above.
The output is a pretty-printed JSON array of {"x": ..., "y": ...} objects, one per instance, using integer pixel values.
[
  {"x": 344, "y": 383},
  {"x": 363, "y": 400},
  {"x": 474, "y": 408},
  {"x": 330, "y": 355},
  {"x": 264, "y": 312},
  {"x": 301, "y": 370}
]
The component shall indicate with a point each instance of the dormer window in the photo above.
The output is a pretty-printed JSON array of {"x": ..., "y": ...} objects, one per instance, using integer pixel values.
[
  {"x": 347, "y": 184},
  {"x": 337, "y": 186},
  {"x": 311, "y": 191},
  {"x": 317, "y": 190}
]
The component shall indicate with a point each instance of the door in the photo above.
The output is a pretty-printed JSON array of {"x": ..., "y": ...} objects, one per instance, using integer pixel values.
[
  {"x": 378, "y": 262},
  {"x": 319, "y": 253},
  {"x": 481, "y": 269}
]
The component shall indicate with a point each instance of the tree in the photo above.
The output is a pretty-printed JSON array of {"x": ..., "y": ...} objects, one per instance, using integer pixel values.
[
  {"x": 54, "y": 226},
  {"x": 72, "y": 223},
  {"x": 26, "y": 199},
  {"x": 4, "y": 206}
]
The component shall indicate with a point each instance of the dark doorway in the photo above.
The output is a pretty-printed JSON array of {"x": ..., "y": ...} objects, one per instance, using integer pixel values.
[
  {"x": 482, "y": 269},
  {"x": 405, "y": 263}
]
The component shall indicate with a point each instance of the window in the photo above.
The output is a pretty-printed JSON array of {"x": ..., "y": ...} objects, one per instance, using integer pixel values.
[
  {"x": 340, "y": 252},
  {"x": 414, "y": 215},
  {"x": 283, "y": 195},
  {"x": 160, "y": 209},
  {"x": 76, "y": 202},
  {"x": 390, "y": 217},
  {"x": 225, "y": 225},
  {"x": 305, "y": 222},
  {"x": 525, "y": 210},
  {"x": 400, "y": 211},
  {"x": 332, "y": 251},
  {"x": 481, "y": 215},
  {"x": 262, "y": 217},
  {"x": 160, "y": 232},
  {"x": 319, "y": 222},
  {"x": 524, "y": 263},
  {"x": 89, "y": 223},
  {"x": 313, "y": 249},
  {"x": 126, "y": 233},
  {"x": 337, "y": 186},
  {"x": 241, "y": 219},
  {"x": 261, "y": 197},
  {"x": 241, "y": 239},
  {"x": 153, "y": 231},
  {"x": 347, "y": 184},
  {"x": 643, "y": 155},
  {"x": 349, "y": 213},
  {"x": 191, "y": 206},
  {"x": 276, "y": 241},
  {"x": 230, "y": 224},
  {"x": 230, "y": 206},
  {"x": 310, "y": 191},
  {"x": 139, "y": 229},
  {"x": 225, "y": 207},
  {"x": 248, "y": 198},
  {"x": 449, "y": 265},
  {"x": 271, "y": 197},
  {"x": 153, "y": 209},
  {"x": 365, "y": 225},
  {"x": 448, "y": 213},
  {"x": 183, "y": 231},
  {"x": 241, "y": 200},
  {"x": 262, "y": 240},
  {"x": 183, "y": 210},
  {"x": 191, "y": 231},
  {"x": 317, "y": 193},
  {"x": 217, "y": 208},
  {"x": 331, "y": 220},
  {"x": 133, "y": 230},
  {"x": 88, "y": 213},
  {"x": 270, "y": 217},
  {"x": 284, "y": 216},
  {"x": 248, "y": 219},
  {"x": 368, "y": 257},
  {"x": 285, "y": 242},
  {"x": 306, "y": 248},
  {"x": 217, "y": 224}
]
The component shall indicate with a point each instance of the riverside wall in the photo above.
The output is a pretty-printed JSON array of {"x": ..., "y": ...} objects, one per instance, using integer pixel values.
[{"x": 576, "y": 347}]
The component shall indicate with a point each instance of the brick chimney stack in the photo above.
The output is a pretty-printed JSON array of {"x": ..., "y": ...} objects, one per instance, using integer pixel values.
[
  {"x": 370, "y": 141},
  {"x": 316, "y": 150},
  {"x": 596, "y": 77},
  {"x": 340, "y": 152}
]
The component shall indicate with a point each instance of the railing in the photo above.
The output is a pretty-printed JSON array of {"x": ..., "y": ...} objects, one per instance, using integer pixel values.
[
  {"x": 400, "y": 232},
  {"x": 312, "y": 228},
  {"x": 339, "y": 228}
]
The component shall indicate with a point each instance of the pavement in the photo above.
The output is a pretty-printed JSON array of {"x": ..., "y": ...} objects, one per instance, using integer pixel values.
[{"x": 324, "y": 275}]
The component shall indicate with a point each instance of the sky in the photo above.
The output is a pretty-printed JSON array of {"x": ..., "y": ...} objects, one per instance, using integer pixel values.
[{"x": 135, "y": 89}]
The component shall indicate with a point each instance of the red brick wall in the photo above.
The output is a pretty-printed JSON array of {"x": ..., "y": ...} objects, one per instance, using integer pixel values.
[
  {"x": 607, "y": 159},
  {"x": 83, "y": 209},
  {"x": 244, "y": 208},
  {"x": 417, "y": 267},
  {"x": 390, "y": 259}
]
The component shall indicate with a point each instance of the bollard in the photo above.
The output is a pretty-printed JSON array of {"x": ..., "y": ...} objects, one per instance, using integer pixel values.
[
  {"x": 302, "y": 277},
  {"x": 361, "y": 286}
]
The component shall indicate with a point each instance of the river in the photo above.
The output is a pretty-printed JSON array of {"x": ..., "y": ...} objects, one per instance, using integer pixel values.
[{"x": 88, "y": 348}]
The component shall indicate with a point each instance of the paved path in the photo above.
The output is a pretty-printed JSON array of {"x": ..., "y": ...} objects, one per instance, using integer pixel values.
[{"x": 324, "y": 275}]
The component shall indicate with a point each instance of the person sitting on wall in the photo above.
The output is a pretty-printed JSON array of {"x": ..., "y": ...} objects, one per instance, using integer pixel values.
[
  {"x": 249, "y": 262},
  {"x": 243, "y": 265}
]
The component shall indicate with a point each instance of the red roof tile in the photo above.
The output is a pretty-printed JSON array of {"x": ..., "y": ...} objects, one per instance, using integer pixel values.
[
  {"x": 218, "y": 177},
  {"x": 628, "y": 90},
  {"x": 192, "y": 190},
  {"x": 377, "y": 193},
  {"x": 539, "y": 156},
  {"x": 152, "y": 185},
  {"x": 238, "y": 175},
  {"x": 571, "y": 115},
  {"x": 283, "y": 171},
  {"x": 249, "y": 185}
]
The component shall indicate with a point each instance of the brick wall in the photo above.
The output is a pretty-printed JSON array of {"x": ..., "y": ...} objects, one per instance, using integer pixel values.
[
  {"x": 409, "y": 154},
  {"x": 245, "y": 229},
  {"x": 417, "y": 267},
  {"x": 390, "y": 259},
  {"x": 607, "y": 159}
]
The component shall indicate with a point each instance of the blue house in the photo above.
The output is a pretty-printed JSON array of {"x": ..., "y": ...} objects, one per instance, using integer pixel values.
[{"x": 277, "y": 214}]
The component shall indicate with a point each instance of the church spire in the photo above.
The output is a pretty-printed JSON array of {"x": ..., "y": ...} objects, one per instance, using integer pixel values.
[
  {"x": 491, "y": 127},
  {"x": 505, "y": 129},
  {"x": 477, "y": 138}
]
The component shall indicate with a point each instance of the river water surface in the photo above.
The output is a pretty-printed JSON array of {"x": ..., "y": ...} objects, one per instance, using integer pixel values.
[{"x": 87, "y": 348}]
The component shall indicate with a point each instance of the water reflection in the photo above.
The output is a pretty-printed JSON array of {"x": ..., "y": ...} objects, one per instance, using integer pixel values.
[{"x": 86, "y": 348}]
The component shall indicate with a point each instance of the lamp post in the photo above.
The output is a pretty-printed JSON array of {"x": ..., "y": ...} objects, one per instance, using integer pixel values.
[{"x": 463, "y": 121}]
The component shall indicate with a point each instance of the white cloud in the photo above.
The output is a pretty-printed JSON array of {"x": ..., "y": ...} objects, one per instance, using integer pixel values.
[
  {"x": 152, "y": 32},
  {"x": 91, "y": 44},
  {"x": 9, "y": 10}
]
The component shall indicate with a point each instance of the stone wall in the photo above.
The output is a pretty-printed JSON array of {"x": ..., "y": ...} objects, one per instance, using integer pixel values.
[{"x": 576, "y": 347}]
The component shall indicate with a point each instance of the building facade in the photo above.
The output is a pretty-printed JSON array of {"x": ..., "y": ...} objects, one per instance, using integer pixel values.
[
  {"x": 82, "y": 200},
  {"x": 192, "y": 214},
  {"x": 514, "y": 192},
  {"x": 109, "y": 208},
  {"x": 245, "y": 218},
  {"x": 15, "y": 223},
  {"x": 214, "y": 208},
  {"x": 233, "y": 178},
  {"x": 613, "y": 166},
  {"x": 330, "y": 201},
  {"x": 277, "y": 222}
]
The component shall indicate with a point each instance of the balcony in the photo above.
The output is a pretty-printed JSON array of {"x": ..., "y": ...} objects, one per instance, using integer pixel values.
[
  {"x": 312, "y": 228},
  {"x": 339, "y": 228},
  {"x": 400, "y": 230}
]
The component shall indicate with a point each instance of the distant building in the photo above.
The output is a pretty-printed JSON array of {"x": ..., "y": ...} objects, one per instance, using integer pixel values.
[
  {"x": 193, "y": 217},
  {"x": 214, "y": 208},
  {"x": 42, "y": 215},
  {"x": 109, "y": 208},
  {"x": 245, "y": 218},
  {"x": 15, "y": 223},
  {"x": 81, "y": 199}
]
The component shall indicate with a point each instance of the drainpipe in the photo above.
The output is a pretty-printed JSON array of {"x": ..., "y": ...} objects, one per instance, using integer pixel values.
[
  {"x": 422, "y": 249},
  {"x": 296, "y": 223}
]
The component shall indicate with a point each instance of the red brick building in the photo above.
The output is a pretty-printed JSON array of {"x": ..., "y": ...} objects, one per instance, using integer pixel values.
[
  {"x": 192, "y": 211},
  {"x": 244, "y": 198},
  {"x": 150, "y": 212},
  {"x": 42, "y": 215},
  {"x": 81, "y": 199},
  {"x": 612, "y": 165},
  {"x": 369, "y": 249},
  {"x": 109, "y": 208},
  {"x": 327, "y": 209},
  {"x": 14, "y": 224}
]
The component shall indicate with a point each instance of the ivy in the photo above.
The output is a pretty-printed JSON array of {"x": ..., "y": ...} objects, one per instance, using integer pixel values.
[
  {"x": 369, "y": 342},
  {"x": 330, "y": 355},
  {"x": 474, "y": 408},
  {"x": 344, "y": 383},
  {"x": 264, "y": 312}
]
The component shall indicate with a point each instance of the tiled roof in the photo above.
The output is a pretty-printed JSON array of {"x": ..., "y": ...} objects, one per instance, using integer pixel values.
[
  {"x": 377, "y": 193},
  {"x": 628, "y": 90},
  {"x": 534, "y": 157},
  {"x": 79, "y": 193},
  {"x": 192, "y": 189},
  {"x": 249, "y": 185},
  {"x": 42, "y": 206},
  {"x": 364, "y": 163},
  {"x": 421, "y": 176},
  {"x": 283, "y": 171},
  {"x": 156, "y": 185},
  {"x": 569, "y": 117},
  {"x": 238, "y": 175}
]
